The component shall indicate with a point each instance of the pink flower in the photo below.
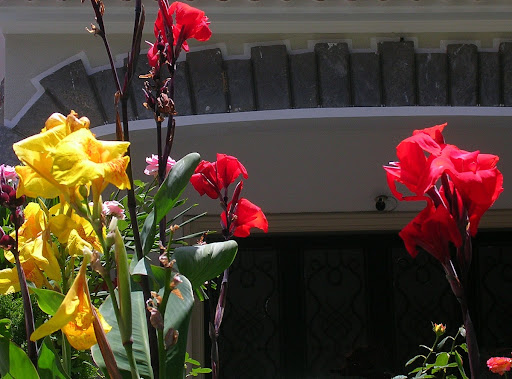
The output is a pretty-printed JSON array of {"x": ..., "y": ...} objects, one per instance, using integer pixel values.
[
  {"x": 8, "y": 173},
  {"x": 499, "y": 365},
  {"x": 152, "y": 167},
  {"x": 113, "y": 208}
]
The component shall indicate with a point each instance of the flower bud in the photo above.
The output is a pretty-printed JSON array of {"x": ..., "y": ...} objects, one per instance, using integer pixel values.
[
  {"x": 156, "y": 319},
  {"x": 171, "y": 338},
  {"x": 439, "y": 329},
  {"x": 7, "y": 242}
]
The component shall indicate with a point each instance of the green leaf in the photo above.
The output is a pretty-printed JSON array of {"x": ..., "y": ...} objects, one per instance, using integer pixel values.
[
  {"x": 399, "y": 377},
  {"x": 5, "y": 328},
  {"x": 14, "y": 363},
  {"x": 442, "y": 359},
  {"x": 148, "y": 232},
  {"x": 464, "y": 347},
  {"x": 177, "y": 316},
  {"x": 143, "y": 267},
  {"x": 443, "y": 341},
  {"x": 458, "y": 359},
  {"x": 200, "y": 370},
  {"x": 175, "y": 182},
  {"x": 190, "y": 360},
  {"x": 167, "y": 196},
  {"x": 139, "y": 333},
  {"x": 49, "y": 301},
  {"x": 413, "y": 359},
  {"x": 48, "y": 364},
  {"x": 205, "y": 262}
]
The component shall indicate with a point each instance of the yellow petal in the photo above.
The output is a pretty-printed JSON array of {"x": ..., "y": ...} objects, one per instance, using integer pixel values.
[
  {"x": 68, "y": 308},
  {"x": 74, "y": 316},
  {"x": 80, "y": 333},
  {"x": 9, "y": 282},
  {"x": 77, "y": 244},
  {"x": 80, "y": 159},
  {"x": 32, "y": 184}
]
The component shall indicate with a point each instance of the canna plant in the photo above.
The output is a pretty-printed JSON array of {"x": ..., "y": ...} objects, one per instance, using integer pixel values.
[
  {"x": 90, "y": 264},
  {"x": 458, "y": 187}
]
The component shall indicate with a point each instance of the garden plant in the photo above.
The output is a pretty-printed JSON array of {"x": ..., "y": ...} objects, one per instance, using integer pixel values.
[{"x": 108, "y": 271}]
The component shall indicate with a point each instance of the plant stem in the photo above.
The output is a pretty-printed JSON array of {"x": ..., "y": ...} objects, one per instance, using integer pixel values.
[
  {"x": 66, "y": 354},
  {"x": 161, "y": 308},
  {"x": 471, "y": 342},
  {"x": 153, "y": 342},
  {"x": 27, "y": 305},
  {"x": 430, "y": 351}
]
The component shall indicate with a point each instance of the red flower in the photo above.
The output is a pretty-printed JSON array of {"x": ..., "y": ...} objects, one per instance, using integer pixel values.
[
  {"x": 432, "y": 229},
  {"x": 212, "y": 177},
  {"x": 499, "y": 365},
  {"x": 413, "y": 169},
  {"x": 190, "y": 22},
  {"x": 244, "y": 216},
  {"x": 476, "y": 178}
]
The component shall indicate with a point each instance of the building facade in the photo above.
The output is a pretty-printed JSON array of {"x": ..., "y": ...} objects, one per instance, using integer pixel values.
[{"x": 313, "y": 97}]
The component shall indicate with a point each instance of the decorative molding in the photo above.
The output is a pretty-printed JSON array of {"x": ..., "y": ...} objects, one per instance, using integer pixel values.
[
  {"x": 387, "y": 61},
  {"x": 266, "y": 16},
  {"x": 353, "y": 222}
]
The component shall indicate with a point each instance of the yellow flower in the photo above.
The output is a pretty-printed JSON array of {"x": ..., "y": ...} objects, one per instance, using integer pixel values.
[
  {"x": 36, "y": 252},
  {"x": 81, "y": 159},
  {"x": 74, "y": 316},
  {"x": 73, "y": 230},
  {"x": 36, "y": 178}
]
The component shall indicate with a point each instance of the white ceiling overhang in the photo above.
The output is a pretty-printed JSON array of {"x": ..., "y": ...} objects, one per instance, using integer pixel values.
[{"x": 275, "y": 16}]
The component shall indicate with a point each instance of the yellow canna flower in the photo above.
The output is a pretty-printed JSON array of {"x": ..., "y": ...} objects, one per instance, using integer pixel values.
[
  {"x": 81, "y": 159},
  {"x": 36, "y": 252},
  {"x": 73, "y": 230},
  {"x": 10, "y": 283},
  {"x": 36, "y": 178},
  {"x": 74, "y": 316}
]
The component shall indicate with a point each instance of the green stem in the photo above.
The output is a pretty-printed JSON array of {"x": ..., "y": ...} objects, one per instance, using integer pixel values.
[
  {"x": 27, "y": 305},
  {"x": 161, "y": 308},
  {"x": 161, "y": 353},
  {"x": 66, "y": 354},
  {"x": 430, "y": 351}
]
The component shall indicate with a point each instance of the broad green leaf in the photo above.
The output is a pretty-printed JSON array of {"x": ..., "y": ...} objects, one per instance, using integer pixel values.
[
  {"x": 175, "y": 182},
  {"x": 205, "y": 262},
  {"x": 177, "y": 316},
  {"x": 148, "y": 232},
  {"x": 143, "y": 267},
  {"x": 48, "y": 364},
  {"x": 139, "y": 333},
  {"x": 167, "y": 196},
  {"x": 464, "y": 347},
  {"x": 14, "y": 363},
  {"x": 49, "y": 301}
]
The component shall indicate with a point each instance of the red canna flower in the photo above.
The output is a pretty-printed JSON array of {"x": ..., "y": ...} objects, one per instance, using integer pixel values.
[
  {"x": 243, "y": 217},
  {"x": 476, "y": 178},
  {"x": 433, "y": 229},
  {"x": 189, "y": 22},
  {"x": 499, "y": 365},
  {"x": 211, "y": 177},
  {"x": 414, "y": 168}
]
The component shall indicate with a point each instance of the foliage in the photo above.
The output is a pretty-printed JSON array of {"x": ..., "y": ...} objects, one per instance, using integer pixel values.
[{"x": 444, "y": 359}]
